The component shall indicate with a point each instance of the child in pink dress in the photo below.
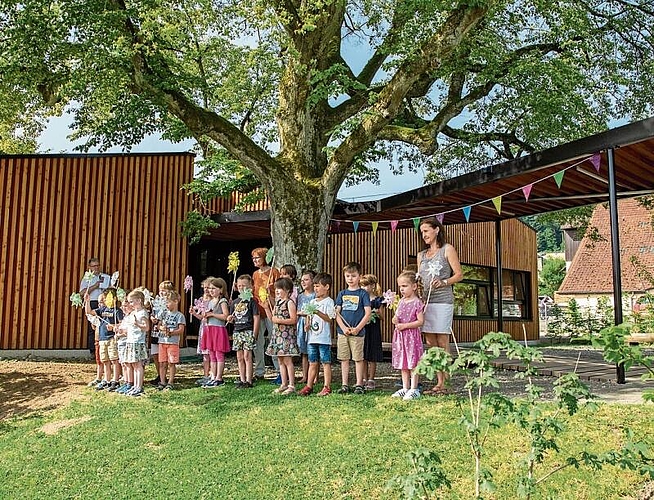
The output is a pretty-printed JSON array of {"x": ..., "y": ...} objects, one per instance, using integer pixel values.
[{"x": 407, "y": 340}]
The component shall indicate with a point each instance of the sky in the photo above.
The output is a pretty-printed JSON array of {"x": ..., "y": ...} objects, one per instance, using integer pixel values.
[{"x": 54, "y": 140}]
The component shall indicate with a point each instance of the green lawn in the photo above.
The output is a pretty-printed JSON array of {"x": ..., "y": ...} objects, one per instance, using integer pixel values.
[{"x": 228, "y": 444}]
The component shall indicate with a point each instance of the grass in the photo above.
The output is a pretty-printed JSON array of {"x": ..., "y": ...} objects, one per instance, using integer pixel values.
[{"x": 224, "y": 443}]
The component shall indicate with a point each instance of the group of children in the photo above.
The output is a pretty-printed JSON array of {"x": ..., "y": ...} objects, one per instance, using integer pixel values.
[
  {"x": 122, "y": 335},
  {"x": 301, "y": 319}
]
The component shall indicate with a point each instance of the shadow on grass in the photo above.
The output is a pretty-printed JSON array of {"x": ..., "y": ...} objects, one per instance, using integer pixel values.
[{"x": 18, "y": 390}]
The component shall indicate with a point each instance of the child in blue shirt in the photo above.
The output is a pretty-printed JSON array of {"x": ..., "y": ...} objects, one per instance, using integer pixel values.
[{"x": 352, "y": 313}]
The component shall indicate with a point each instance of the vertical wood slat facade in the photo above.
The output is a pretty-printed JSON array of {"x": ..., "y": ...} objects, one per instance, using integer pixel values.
[
  {"x": 387, "y": 252},
  {"x": 58, "y": 211}
]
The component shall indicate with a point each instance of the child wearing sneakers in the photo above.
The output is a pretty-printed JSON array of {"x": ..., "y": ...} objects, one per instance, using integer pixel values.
[
  {"x": 137, "y": 324},
  {"x": 319, "y": 335},
  {"x": 245, "y": 316},
  {"x": 171, "y": 327},
  {"x": 407, "y": 339},
  {"x": 121, "y": 343},
  {"x": 352, "y": 313},
  {"x": 109, "y": 315}
]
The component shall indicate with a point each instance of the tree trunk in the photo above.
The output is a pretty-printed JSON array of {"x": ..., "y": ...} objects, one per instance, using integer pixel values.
[{"x": 300, "y": 215}]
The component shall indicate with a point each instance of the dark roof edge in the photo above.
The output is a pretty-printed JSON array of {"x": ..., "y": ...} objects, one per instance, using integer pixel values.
[
  {"x": 614, "y": 138},
  {"x": 94, "y": 155}
]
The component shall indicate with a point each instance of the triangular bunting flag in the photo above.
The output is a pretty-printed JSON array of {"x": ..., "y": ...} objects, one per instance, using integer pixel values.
[
  {"x": 374, "y": 227},
  {"x": 595, "y": 160},
  {"x": 497, "y": 201},
  {"x": 526, "y": 190},
  {"x": 416, "y": 223},
  {"x": 337, "y": 225},
  {"x": 466, "y": 212},
  {"x": 394, "y": 224},
  {"x": 440, "y": 218},
  {"x": 355, "y": 225},
  {"x": 558, "y": 177}
]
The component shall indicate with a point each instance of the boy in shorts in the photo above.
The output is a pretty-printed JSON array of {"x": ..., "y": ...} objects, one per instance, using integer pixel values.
[
  {"x": 171, "y": 327},
  {"x": 352, "y": 313},
  {"x": 244, "y": 314},
  {"x": 319, "y": 335},
  {"x": 109, "y": 315}
]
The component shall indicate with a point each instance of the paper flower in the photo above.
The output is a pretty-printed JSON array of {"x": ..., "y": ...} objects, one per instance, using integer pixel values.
[
  {"x": 148, "y": 295},
  {"x": 232, "y": 262},
  {"x": 88, "y": 277},
  {"x": 110, "y": 299},
  {"x": 246, "y": 294},
  {"x": 434, "y": 268},
  {"x": 391, "y": 299},
  {"x": 188, "y": 284},
  {"x": 270, "y": 255},
  {"x": 158, "y": 306},
  {"x": 76, "y": 300},
  {"x": 121, "y": 294},
  {"x": 114, "y": 279},
  {"x": 93, "y": 319},
  {"x": 200, "y": 306},
  {"x": 263, "y": 294},
  {"x": 310, "y": 309},
  {"x": 374, "y": 316}
]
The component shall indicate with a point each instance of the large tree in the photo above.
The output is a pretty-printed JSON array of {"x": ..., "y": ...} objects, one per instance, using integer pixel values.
[{"x": 294, "y": 97}]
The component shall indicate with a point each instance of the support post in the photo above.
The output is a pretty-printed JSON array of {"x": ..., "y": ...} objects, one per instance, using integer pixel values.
[
  {"x": 498, "y": 279},
  {"x": 615, "y": 254}
]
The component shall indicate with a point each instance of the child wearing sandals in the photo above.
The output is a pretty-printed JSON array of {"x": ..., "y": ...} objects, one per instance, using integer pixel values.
[
  {"x": 407, "y": 339},
  {"x": 283, "y": 342}
]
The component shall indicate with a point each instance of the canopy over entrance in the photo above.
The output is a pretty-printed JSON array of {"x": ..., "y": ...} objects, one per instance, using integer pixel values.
[{"x": 566, "y": 176}]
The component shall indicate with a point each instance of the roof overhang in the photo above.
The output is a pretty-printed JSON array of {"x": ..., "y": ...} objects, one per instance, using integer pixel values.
[{"x": 582, "y": 184}]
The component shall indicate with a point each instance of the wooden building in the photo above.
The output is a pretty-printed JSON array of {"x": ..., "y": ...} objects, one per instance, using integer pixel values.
[
  {"x": 57, "y": 211},
  {"x": 385, "y": 253}
]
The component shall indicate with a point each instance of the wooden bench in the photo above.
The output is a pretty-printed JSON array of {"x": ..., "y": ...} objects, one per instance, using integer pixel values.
[{"x": 640, "y": 338}]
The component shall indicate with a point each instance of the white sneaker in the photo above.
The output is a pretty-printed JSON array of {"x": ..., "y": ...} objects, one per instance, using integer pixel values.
[
  {"x": 411, "y": 394},
  {"x": 400, "y": 393}
]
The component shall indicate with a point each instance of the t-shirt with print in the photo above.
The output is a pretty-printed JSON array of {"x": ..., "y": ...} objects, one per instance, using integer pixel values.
[
  {"x": 108, "y": 316},
  {"x": 320, "y": 331},
  {"x": 243, "y": 312},
  {"x": 172, "y": 319},
  {"x": 352, "y": 304}
]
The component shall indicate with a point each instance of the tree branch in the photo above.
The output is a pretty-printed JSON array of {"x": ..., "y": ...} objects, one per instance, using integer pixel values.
[
  {"x": 428, "y": 57},
  {"x": 199, "y": 120},
  {"x": 506, "y": 138}
]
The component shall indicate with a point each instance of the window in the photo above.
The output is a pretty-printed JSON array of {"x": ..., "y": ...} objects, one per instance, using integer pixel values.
[{"x": 476, "y": 295}]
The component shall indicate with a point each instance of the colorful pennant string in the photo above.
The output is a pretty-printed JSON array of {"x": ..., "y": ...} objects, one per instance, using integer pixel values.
[
  {"x": 496, "y": 200},
  {"x": 595, "y": 160},
  {"x": 558, "y": 177}
]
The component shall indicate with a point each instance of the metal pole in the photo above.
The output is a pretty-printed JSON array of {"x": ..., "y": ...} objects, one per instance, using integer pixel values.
[
  {"x": 615, "y": 255},
  {"x": 498, "y": 279}
]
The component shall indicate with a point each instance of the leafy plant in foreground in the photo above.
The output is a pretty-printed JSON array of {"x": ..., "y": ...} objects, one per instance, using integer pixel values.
[{"x": 483, "y": 411}]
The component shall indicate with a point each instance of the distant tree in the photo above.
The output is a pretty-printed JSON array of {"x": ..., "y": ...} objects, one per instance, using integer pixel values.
[
  {"x": 281, "y": 108},
  {"x": 551, "y": 276}
]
